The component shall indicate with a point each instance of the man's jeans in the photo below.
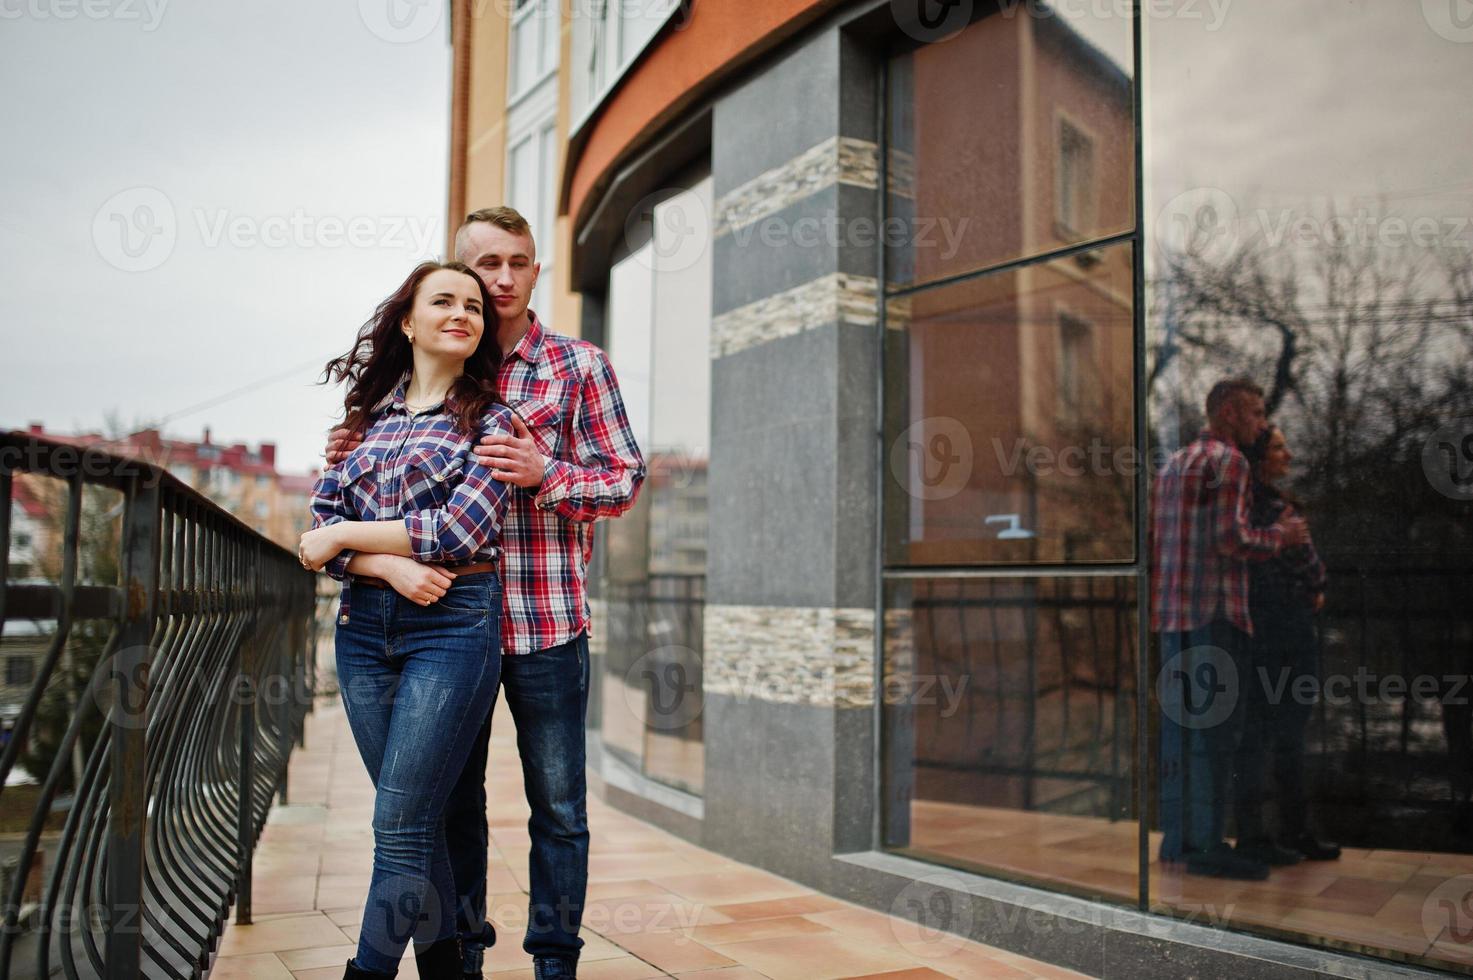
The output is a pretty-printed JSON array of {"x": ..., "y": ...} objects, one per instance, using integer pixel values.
[
  {"x": 1201, "y": 693},
  {"x": 547, "y": 692},
  {"x": 416, "y": 682}
]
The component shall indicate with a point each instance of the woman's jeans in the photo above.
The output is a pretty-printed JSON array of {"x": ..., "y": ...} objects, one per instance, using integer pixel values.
[{"x": 417, "y": 681}]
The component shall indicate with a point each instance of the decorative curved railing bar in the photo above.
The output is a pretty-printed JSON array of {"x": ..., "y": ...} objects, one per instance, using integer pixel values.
[{"x": 199, "y": 695}]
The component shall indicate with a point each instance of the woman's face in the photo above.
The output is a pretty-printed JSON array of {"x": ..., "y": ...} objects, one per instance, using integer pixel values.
[
  {"x": 1276, "y": 458},
  {"x": 447, "y": 319}
]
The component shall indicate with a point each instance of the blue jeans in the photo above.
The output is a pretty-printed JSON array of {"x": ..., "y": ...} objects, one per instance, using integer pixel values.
[
  {"x": 1202, "y": 709},
  {"x": 416, "y": 682},
  {"x": 547, "y": 692}
]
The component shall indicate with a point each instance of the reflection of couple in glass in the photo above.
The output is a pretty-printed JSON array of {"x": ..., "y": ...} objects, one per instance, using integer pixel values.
[{"x": 1235, "y": 585}]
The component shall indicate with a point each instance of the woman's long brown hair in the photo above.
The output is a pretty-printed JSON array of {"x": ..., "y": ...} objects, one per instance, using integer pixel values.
[{"x": 382, "y": 355}]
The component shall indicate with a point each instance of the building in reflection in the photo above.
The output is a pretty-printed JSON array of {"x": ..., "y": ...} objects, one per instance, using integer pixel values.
[{"x": 917, "y": 296}]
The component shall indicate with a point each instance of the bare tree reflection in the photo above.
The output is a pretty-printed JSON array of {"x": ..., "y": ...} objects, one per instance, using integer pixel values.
[{"x": 1365, "y": 349}]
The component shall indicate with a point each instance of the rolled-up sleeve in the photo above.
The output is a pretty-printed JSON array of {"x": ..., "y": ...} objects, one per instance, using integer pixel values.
[
  {"x": 329, "y": 507},
  {"x": 609, "y": 469},
  {"x": 471, "y": 518}
]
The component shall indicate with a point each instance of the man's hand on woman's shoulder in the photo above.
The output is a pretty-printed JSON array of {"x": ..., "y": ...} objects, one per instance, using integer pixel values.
[
  {"x": 512, "y": 456},
  {"x": 340, "y": 442}
]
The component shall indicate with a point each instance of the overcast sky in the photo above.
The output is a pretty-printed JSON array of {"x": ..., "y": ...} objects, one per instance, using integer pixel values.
[{"x": 198, "y": 196}]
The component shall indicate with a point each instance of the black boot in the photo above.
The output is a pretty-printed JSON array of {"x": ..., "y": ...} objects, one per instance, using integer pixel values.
[
  {"x": 554, "y": 968},
  {"x": 439, "y": 960},
  {"x": 1313, "y": 848},
  {"x": 353, "y": 973}
]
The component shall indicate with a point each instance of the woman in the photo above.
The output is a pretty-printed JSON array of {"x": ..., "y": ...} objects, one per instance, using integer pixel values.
[
  {"x": 1284, "y": 593},
  {"x": 418, "y": 648}
]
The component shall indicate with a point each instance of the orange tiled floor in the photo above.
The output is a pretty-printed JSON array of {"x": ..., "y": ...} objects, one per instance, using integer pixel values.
[
  {"x": 1376, "y": 902},
  {"x": 657, "y": 906}
]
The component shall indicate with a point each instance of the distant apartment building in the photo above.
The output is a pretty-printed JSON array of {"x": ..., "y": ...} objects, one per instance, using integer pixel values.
[{"x": 240, "y": 479}]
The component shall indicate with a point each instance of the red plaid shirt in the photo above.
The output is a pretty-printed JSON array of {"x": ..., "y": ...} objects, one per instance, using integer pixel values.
[
  {"x": 566, "y": 392},
  {"x": 1202, "y": 538}
]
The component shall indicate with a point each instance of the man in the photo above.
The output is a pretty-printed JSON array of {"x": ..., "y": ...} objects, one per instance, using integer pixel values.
[
  {"x": 574, "y": 460},
  {"x": 1202, "y": 541}
]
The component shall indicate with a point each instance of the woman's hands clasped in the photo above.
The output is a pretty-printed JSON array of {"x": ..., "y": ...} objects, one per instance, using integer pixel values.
[{"x": 415, "y": 581}]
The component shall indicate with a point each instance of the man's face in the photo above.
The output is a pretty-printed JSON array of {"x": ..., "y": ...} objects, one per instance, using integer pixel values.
[
  {"x": 1248, "y": 418},
  {"x": 507, "y": 264}
]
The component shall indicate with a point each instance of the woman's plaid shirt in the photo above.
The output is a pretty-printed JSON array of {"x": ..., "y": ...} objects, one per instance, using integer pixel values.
[
  {"x": 421, "y": 469},
  {"x": 566, "y": 393}
]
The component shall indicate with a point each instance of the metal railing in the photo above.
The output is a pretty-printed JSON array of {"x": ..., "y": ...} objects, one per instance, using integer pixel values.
[
  {"x": 173, "y": 749},
  {"x": 1045, "y": 701}
]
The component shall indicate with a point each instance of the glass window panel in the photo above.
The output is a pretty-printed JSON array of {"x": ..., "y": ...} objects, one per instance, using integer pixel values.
[
  {"x": 1009, "y": 728},
  {"x": 985, "y": 168},
  {"x": 547, "y": 192},
  {"x": 524, "y": 47},
  {"x": 551, "y": 32},
  {"x": 625, "y": 587},
  {"x": 1308, "y": 227},
  {"x": 522, "y": 191},
  {"x": 654, "y": 575},
  {"x": 1009, "y": 403},
  {"x": 678, "y": 453},
  {"x": 638, "y": 23}
]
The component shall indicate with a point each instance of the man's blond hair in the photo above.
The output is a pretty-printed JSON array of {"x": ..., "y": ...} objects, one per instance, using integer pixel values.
[{"x": 506, "y": 218}]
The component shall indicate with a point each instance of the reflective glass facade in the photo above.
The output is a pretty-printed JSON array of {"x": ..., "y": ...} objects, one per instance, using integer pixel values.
[{"x": 1265, "y": 598}]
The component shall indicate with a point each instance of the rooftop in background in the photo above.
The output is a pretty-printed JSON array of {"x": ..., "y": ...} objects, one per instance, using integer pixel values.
[{"x": 151, "y": 446}]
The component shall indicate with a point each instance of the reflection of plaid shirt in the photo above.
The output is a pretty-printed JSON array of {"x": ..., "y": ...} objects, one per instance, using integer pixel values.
[
  {"x": 1202, "y": 538},
  {"x": 565, "y": 390},
  {"x": 421, "y": 469}
]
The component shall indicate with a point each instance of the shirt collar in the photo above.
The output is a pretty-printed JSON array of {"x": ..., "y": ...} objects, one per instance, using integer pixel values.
[
  {"x": 529, "y": 348},
  {"x": 395, "y": 398}
]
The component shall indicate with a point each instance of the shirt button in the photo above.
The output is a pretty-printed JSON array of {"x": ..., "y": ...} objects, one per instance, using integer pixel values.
[{"x": 342, "y": 619}]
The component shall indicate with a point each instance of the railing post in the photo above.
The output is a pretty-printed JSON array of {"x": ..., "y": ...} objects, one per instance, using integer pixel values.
[
  {"x": 287, "y": 713},
  {"x": 244, "y": 823},
  {"x": 128, "y": 790}
]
